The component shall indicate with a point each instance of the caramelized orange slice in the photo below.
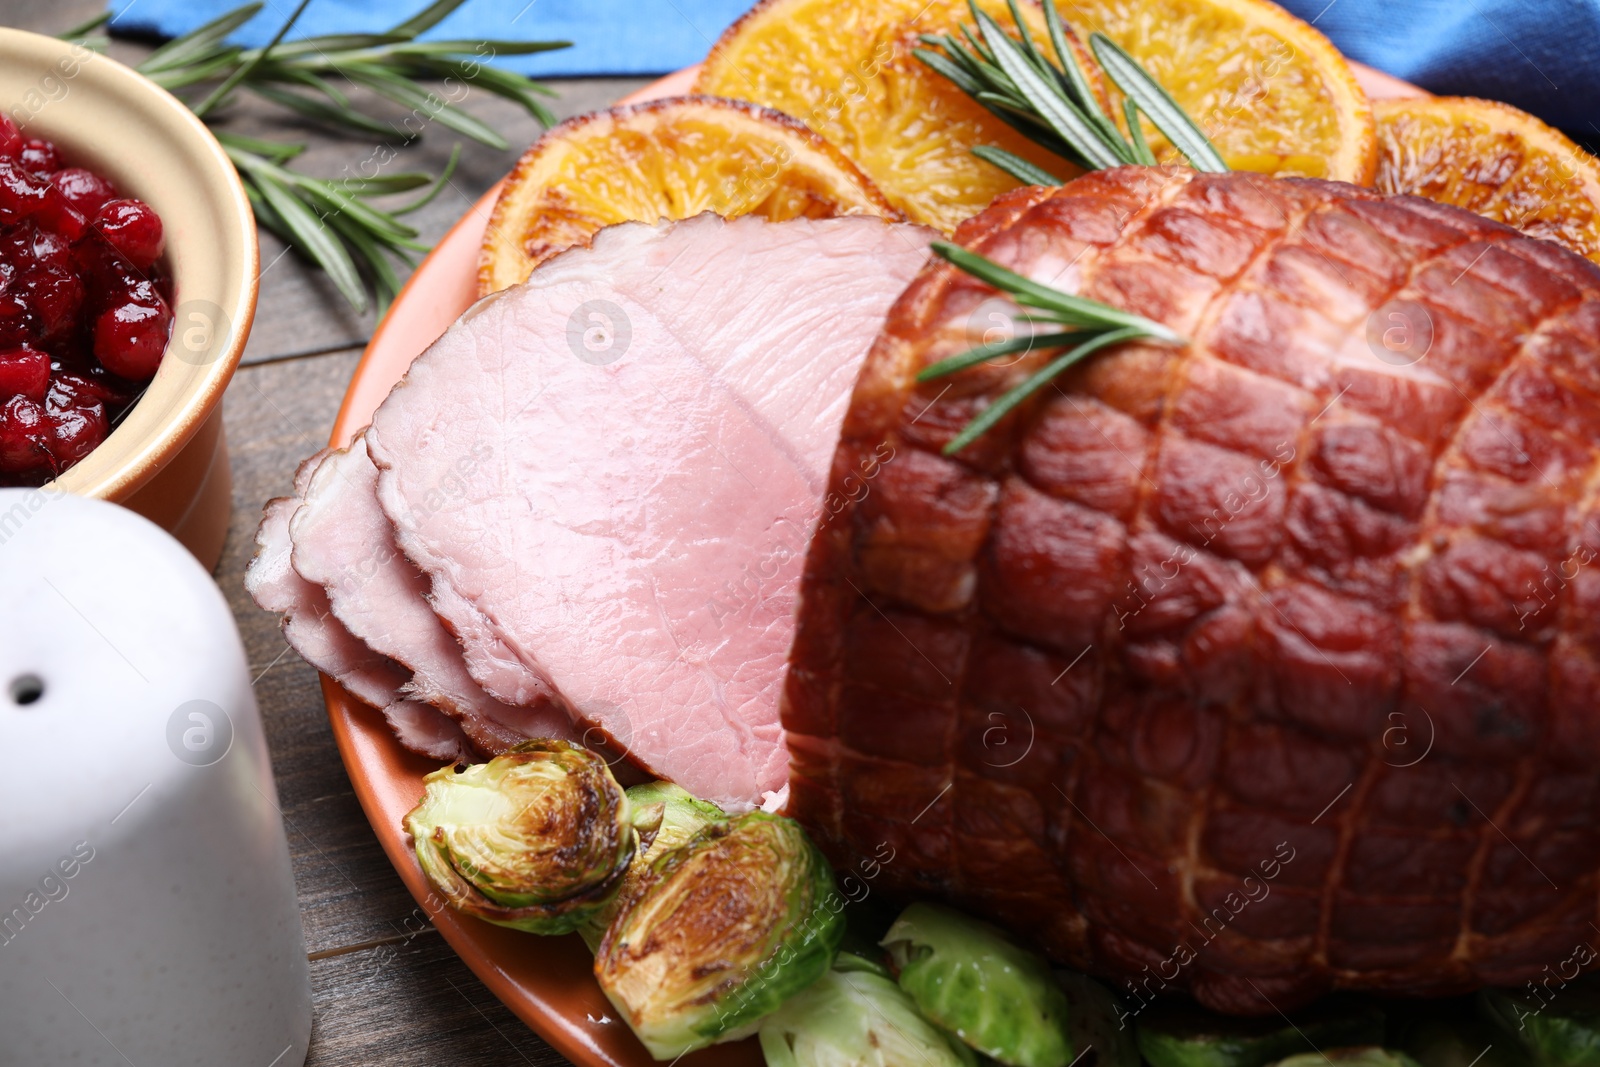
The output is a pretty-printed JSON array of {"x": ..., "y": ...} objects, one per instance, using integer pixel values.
[
  {"x": 1270, "y": 91},
  {"x": 670, "y": 159},
  {"x": 846, "y": 69},
  {"x": 1495, "y": 160}
]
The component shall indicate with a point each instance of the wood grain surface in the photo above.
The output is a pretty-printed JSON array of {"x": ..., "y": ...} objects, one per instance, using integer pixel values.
[{"x": 386, "y": 988}]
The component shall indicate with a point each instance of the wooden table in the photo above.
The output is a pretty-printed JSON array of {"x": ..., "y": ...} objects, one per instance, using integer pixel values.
[{"x": 386, "y": 988}]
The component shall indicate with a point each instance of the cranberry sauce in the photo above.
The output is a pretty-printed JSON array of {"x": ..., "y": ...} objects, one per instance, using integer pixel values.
[{"x": 84, "y": 307}]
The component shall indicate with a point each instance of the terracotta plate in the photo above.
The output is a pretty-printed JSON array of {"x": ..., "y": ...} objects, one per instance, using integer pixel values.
[{"x": 546, "y": 981}]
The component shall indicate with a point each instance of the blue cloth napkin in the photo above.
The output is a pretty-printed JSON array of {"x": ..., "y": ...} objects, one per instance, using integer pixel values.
[
  {"x": 608, "y": 36},
  {"x": 1541, "y": 55}
]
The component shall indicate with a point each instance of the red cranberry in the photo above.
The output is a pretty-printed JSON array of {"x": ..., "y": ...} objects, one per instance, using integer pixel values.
[
  {"x": 22, "y": 436},
  {"x": 76, "y": 431},
  {"x": 58, "y": 214},
  {"x": 18, "y": 324},
  {"x": 84, "y": 189},
  {"x": 10, "y": 138},
  {"x": 132, "y": 229},
  {"x": 67, "y": 389},
  {"x": 40, "y": 156},
  {"x": 55, "y": 297},
  {"x": 109, "y": 275},
  {"x": 52, "y": 250},
  {"x": 21, "y": 194},
  {"x": 92, "y": 259},
  {"x": 130, "y": 338},
  {"x": 25, "y": 372}
]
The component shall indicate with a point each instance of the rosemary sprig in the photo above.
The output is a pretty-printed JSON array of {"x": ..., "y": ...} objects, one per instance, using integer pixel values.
[
  {"x": 331, "y": 221},
  {"x": 298, "y": 74},
  {"x": 354, "y": 245},
  {"x": 1052, "y": 104},
  {"x": 1089, "y": 326}
]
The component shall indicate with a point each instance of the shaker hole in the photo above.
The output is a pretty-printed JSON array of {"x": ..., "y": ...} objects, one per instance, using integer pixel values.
[{"x": 26, "y": 689}]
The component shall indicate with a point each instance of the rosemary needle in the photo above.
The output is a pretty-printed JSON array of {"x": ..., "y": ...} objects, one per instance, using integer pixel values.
[
  {"x": 1089, "y": 326},
  {"x": 1052, "y": 104}
]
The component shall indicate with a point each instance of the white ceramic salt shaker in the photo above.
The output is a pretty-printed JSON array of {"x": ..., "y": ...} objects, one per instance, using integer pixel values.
[{"x": 147, "y": 908}]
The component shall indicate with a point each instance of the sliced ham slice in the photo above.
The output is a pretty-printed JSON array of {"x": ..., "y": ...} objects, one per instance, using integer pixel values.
[
  {"x": 491, "y": 664},
  {"x": 425, "y": 729},
  {"x": 618, "y": 465},
  {"x": 343, "y": 542},
  {"x": 312, "y": 630}
]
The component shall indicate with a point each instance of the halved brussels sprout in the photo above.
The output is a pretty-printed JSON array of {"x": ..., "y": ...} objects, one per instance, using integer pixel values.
[
  {"x": 1181, "y": 1034},
  {"x": 856, "y": 1018},
  {"x": 718, "y": 932},
  {"x": 967, "y": 977},
  {"x": 1359, "y": 1056},
  {"x": 1559, "y": 1028},
  {"x": 537, "y": 839},
  {"x": 665, "y": 816}
]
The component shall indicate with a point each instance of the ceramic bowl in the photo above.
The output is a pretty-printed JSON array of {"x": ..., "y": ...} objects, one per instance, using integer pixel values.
[{"x": 168, "y": 459}]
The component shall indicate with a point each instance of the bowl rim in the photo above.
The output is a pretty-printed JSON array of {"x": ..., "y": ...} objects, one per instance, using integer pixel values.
[{"x": 146, "y": 456}]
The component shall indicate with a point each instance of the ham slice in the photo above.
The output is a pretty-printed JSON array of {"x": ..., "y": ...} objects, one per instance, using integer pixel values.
[
  {"x": 426, "y": 730},
  {"x": 323, "y": 641},
  {"x": 614, "y": 470},
  {"x": 344, "y": 543}
]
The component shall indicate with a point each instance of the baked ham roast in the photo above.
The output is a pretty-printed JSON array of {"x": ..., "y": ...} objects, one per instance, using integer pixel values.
[{"x": 1260, "y": 667}]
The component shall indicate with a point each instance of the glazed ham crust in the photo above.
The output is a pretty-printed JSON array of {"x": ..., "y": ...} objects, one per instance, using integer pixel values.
[{"x": 1259, "y": 667}]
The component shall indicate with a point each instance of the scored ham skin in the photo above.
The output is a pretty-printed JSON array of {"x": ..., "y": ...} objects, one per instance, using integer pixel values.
[
  {"x": 311, "y": 629},
  {"x": 344, "y": 543},
  {"x": 1258, "y": 667},
  {"x": 631, "y": 520}
]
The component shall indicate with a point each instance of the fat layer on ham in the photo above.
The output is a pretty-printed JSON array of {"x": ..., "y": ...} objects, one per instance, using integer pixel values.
[{"x": 614, "y": 470}]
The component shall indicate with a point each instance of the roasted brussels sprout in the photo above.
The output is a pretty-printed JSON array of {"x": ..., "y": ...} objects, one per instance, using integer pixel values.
[
  {"x": 1094, "y": 1020},
  {"x": 966, "y": 976},
  {"x": 856, "y": 1018},
  {"x": 539, "y": 838},
  {"x": 667, "y": 815},
  {"x": 1174, "y": 1034},
  {"x": 664, "y": 816},
  {"x": 1559, "y": 1027},
  {"x": 717, "y": 932},
  {"x": 1358, "y": 1056}
]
